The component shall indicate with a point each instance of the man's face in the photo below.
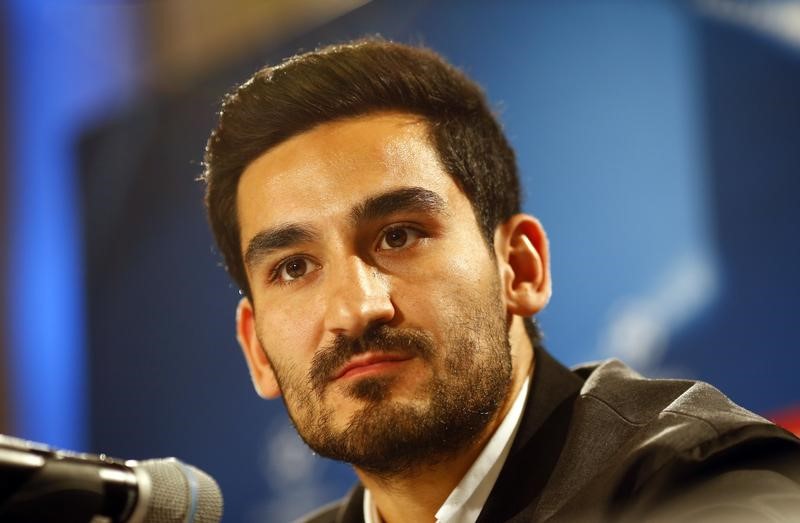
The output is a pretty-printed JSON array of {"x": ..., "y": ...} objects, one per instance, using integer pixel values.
[{"x": 376, "y": 306}]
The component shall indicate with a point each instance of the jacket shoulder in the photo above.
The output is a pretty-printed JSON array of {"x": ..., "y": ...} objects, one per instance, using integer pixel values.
[
  {"x": 635, "y": 440},
  {"x": 640, "y": 401}
]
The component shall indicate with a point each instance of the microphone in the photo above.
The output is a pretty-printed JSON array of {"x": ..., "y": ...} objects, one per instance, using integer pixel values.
[{"x": 42, "y": 485}]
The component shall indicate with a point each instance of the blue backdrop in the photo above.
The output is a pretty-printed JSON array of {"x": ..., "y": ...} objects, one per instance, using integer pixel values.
[{"x": 656, "y": 143}]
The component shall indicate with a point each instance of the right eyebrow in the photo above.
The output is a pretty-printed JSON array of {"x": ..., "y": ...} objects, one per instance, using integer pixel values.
[
  {"x": 278, "y": 237},
  {"x": 413, "y": 199}
]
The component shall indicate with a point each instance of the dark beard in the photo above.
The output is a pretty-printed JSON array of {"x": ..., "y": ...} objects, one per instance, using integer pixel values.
[
  {"x": 387, "y": 438},
  {"x": 377, "y": 338}
]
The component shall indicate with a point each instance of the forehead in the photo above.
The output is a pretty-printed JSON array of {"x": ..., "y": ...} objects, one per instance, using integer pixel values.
[{"x": 324, "y": 172}]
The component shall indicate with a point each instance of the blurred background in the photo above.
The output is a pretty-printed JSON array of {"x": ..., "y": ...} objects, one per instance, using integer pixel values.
[{"x": 658, "y": 141}]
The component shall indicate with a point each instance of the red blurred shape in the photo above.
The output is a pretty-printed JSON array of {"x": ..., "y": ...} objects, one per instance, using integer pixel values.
[{"x": 788, "y": 418}]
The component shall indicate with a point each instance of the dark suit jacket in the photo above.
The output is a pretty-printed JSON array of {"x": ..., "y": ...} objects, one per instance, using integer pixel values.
[{"x": 602, "y": 443}]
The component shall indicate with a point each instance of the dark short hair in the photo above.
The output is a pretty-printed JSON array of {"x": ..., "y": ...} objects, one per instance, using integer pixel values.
[{"x": 342, "y": 81}]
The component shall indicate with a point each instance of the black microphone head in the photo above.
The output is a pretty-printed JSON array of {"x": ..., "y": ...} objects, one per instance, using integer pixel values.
[{"x": 171, "y": 491}]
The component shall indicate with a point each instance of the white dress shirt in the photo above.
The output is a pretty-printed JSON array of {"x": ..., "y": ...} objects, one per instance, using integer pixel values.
[{"x": 466, "y": 501}]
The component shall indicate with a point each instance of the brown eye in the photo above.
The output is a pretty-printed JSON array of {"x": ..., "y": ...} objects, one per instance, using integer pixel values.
[
  {"x": 396, "y": 238},
  {"x": 294, "y": 269},
  {"x": 399, "y": 238}
]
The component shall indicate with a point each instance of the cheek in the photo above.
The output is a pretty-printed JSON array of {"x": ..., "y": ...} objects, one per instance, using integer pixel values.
[
  {"x": 444, "y": 286},
  {"x": 462, "y": 264},
  {"x": 291, "y": 331}
]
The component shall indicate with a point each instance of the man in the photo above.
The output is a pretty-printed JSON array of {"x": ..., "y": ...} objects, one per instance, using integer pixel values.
[{"x": 367, "y": 203}]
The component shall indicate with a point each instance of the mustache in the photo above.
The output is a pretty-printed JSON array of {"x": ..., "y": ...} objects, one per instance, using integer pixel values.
[{"x": 378, "y": 338}]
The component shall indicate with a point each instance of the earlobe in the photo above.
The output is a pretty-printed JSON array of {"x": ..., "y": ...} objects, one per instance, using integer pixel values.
[
  {"x": 261, "y": 371},
  {"x": 523, "y": 257}
]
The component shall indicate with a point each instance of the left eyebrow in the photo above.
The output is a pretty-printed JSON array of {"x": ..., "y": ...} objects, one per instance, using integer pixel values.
[
  {"x": 407, "y": 199},
  {"x": 280, "y": 237}
]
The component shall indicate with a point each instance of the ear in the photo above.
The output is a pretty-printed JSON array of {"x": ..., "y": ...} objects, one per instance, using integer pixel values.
[
  {"x": 523, "y": 259},
  {"x": 260, "y": 368}
]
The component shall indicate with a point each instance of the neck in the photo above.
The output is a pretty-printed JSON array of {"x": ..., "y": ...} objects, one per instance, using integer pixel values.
[{"x": 417, "y": 495}]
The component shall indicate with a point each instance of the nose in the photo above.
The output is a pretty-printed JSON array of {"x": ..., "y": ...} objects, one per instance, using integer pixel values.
[{"x": 358, "y": 296}]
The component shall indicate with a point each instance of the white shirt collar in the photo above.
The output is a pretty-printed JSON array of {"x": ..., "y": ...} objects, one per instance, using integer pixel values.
[{"x": 466, "y": 501}]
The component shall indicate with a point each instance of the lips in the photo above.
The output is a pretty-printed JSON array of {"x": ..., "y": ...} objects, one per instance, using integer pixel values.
[{"x": 373, "y": 361}]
